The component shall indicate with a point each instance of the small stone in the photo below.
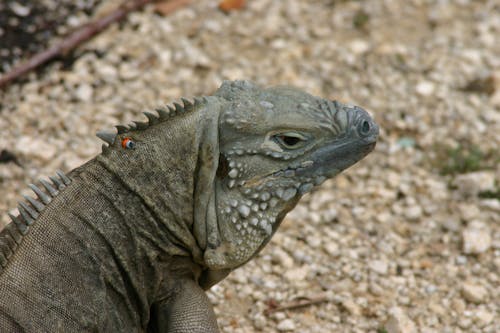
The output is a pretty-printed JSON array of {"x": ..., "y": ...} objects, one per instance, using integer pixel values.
[
  {"x": 84, "y": 92},
  {"x": 399, "y": 323},
  {"x": 280, "y": 257},
  {"x": 19, "y": 9},
  {"x": 313, "y": 241},
  {"x": 379, "y": 266},
  {"x": 34, "y": 147},
  {"x": 259, "y": 322},
  {"x": 297, "y": 274},
  {"x": 430, "y": 289},
  {"x": 474, "y": 293},
  {"x": 458, "y": 305},
  {"x": 476, "y": 238},
  {"x": 473, "y": 183},
  {"x": 286, "y": 325},
  {"x": 468, "y": 211},
  {"x": 483, "y": 317},
  {"x": 413, "y": 213},
  {"x": 351, "y": 307},
  {"x": 461, "y": 260},
  {"x": 332, "y": 248},
  {"x": 425, "y": 88},
  {"x": 359, "y": 46}
]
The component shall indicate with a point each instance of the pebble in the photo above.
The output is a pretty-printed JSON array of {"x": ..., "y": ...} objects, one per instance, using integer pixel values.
[
  {"x": 19, "y": 9},
  {"x": 351, "y": 307},
  {"x": 474, "y": 293},
  {"x": 32, "y": 147},
  {"x": 282, "y": 258},
  {"x": 461, "y": 260},
  {"x": 399, "y": 323},
  {"x": 468, "y": 211},
  {"x": 483, "y": 317},
  {"x": 359, "y": 46},
  {"x": 286, "y": 325},
  {"x": 471, "y": 184},
  {"x": 297, "y": 274},
  {"x": 84, "y": 92},
  {"x": 413, "y": 213},
  {"x": 379, "y": 266},
  {"x": 476, "y": 238},
  {"x": 425, "y": 88}
]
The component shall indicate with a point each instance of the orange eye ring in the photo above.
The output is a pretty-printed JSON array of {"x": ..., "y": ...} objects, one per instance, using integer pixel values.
[{"x": 128, "y": 143}]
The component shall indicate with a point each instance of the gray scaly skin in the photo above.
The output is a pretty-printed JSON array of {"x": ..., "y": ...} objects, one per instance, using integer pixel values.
[{"x": 129, "y": 241}]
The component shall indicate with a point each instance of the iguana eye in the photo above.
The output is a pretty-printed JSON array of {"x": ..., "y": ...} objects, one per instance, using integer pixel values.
[
  {"x": 290, "y": 140},
  {"x": 128, "y": 143}
]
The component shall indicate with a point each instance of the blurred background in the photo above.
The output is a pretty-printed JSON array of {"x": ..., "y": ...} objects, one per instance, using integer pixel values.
[{"x": 406, "y": 241}]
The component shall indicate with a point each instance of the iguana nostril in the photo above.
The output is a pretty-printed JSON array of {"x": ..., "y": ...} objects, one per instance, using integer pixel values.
[{"x": 364, "y": 127}]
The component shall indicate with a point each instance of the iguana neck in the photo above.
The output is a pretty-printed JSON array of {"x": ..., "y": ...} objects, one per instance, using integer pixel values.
[{"x": 162, "y": 177}]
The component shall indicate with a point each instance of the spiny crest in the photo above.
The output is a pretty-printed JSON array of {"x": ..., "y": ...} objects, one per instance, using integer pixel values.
[
  {"x": 12, "y": 235},
  {"x": 163, "y": 113}
]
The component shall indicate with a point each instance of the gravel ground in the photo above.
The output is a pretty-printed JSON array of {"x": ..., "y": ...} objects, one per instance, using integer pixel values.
[{"x": 406, "y": 241}]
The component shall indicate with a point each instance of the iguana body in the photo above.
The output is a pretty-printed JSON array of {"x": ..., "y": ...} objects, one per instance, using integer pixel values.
[{"x": 129, "y": 241}]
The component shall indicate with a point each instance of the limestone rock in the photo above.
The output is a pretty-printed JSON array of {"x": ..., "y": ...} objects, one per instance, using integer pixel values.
[
  {"x": 399, "y": 323},
  {"x": 476, "y": 238},
  {"x": 474, "y": 293}
]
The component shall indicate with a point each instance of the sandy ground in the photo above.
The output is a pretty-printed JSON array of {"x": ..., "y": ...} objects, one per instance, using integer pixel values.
[{"x": 406, "y": 241}]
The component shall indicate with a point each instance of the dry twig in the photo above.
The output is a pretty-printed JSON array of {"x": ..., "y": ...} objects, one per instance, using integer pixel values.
[
  {"x": 81, "y": 35},
  {"x": 297, "y": 303}
]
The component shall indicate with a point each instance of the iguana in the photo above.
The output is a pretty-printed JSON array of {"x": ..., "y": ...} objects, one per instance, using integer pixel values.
[{"x": 129, "y": 241}]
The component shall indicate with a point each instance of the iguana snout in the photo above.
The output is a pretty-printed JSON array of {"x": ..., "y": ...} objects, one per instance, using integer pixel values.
[{"x": 358, "y": 140}]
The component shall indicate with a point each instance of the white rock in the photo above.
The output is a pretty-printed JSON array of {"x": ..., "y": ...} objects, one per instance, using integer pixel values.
[
  {"x": 413, "y": 213},
  {"x": 379, "y": 266},
  {"x": 399, "y": 323},
  {"x": 332, "y": 248},
  {"x": 351, "y": 307},
  {"x": 35, "y": 147},
  {"x": 19, "y": 9},
  {"x": 476, "y": 238},
  {"x": 425, "y": 88},
  {"x": 297, "y": 274},
  {"x": 286, "y": 325},
  {"x": 470, "y": 184},
  {"x": 359, "y": 46},
  {"x": 280, "y": 257},
  {"x": 84, "y": 92},
  {"x": 474, "y": 293},
  {"x": 468, "y": 211},
  {"x": 259, "y": 322},
  {"x": 483, "y": 317}
]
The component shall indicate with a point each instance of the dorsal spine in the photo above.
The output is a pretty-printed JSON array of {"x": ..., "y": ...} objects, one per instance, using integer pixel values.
[
  {"x": 12, "y": 235},
  {"x": 159, "y": 115}
]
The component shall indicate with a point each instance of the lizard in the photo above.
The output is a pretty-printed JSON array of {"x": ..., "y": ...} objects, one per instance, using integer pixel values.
[{"x": 131, "y": 240}]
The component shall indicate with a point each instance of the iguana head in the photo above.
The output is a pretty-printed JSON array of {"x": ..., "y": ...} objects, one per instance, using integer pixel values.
[
  {"x": 274, "y": 146},
  {"x": 221, "y": 173}
]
